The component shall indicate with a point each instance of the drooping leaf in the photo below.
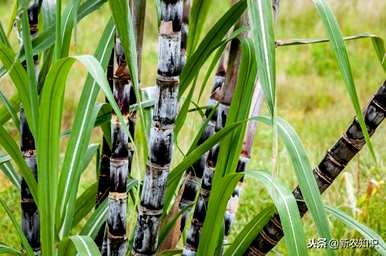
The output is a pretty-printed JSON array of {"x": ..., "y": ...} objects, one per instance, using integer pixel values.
[
  {"x": 80, "y": 135},
  {"x": 263, "y": 36},
  {"x": 287, "y": 208},
  {"x": 366, "y": 232},
  {"x": 337, "y": 43}
]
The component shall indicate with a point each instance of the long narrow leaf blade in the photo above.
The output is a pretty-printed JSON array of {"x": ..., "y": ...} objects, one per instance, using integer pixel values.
[{"x": 335, "y": 35}]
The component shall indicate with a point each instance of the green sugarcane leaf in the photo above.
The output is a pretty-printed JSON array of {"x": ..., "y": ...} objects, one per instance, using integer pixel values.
[
  {"x": 230, "y": 147},
  {"x": 48, "y": 13},
  {"x": 3, "y": 36},
  {"x": 10, "y": 146},
  {"x": 304, "y": 174},
  {"x": 5, "y": 249},
  {"x": 80, "y": 135},
  {"x": 9, "y": 171},
  {"x": 87, "y": 158},
  {"x": 46, "y": 39},
  {"x": 96, "y": 220},
  {"x": 58, "y": 30},
  {"x": 171, "y": 188},
  {"x": 287, "y": 208},
  {"x": 175, "y": 174},
  {"x": 377, "y": 41},
  {"x": 19, "y": 232},
  {"x": 198, "y": 13},
  {"x": 85, "y": 246},
  {"x": 124, "y": 23},
  {"x": 85, "y": 203},
  {"x": 19, "y": 78},
  {"x": 12, "y": 18},
  {"x": 366, "y": 232},
  {"x": 32, "y": 81},
  {"x": 215, "y": 60},
  {"x": 212, "y": 40},
  {"x": 51, "y": 108},
  {"x": 218, "y": 199},
  {"x": 165, "y": 229},
  {"x": 69, "y": 20},
  {"x": 243, "y": 239},
  {"x": 336, "y": 39},
  {"x": 263, "y": 36},
  {"x": 11, "y": 110},
  {"x": 5, "y": 115},
  {"x": 183, "y": 111}
]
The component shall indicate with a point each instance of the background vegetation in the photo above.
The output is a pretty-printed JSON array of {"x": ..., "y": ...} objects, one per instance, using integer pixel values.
[{"x": 311, "y": 96}]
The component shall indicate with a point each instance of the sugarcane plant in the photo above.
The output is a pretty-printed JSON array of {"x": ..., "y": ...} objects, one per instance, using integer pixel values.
[
  {"x": 65, "y": 212},
  {"x": 30, "y": 220}
]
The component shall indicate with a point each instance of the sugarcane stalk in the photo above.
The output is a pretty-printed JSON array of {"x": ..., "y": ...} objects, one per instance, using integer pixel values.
[
  {"x": 161, "y": 133},
  {"x": 195, "y": 172},
  {"x": 245, "y": 156},
  {"x": 333, "y": 163},
  {"x": 104, "y": 169},
  {"x": 193, "y": 236},
  {"x": 174, "y": 235},
  {"x": 30, "y": 221},
  {"x": 121, "y": 154}
]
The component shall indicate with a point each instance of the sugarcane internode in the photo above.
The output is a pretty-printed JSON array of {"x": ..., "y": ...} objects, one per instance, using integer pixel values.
[
  {"x": 161, "y": 133},
  {"x": 328, "y": 169}
]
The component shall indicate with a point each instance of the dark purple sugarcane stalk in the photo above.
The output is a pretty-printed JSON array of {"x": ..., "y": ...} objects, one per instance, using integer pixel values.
[
  {"x": 226, "y": 93},
  {"x": 104, "y": 170},
  {"x": 30, "y": 221},
  {"x": 192, "y": 180},
  {"x": 333, "y": 163},
  {"x": 121, "y": 154},
  {"x": 161, "y": 133},
  {"x": 245, "y": 156}
]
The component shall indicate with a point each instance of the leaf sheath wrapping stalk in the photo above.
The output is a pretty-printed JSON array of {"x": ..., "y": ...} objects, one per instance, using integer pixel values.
[{"x": 328, "y": 169}]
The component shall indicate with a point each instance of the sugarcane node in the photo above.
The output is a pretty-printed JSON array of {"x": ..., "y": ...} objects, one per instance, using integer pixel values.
[
  {"x": 155, "y": 169},
  {"x": 29, "y": 153},
  {"x": 167, "y": 81},
  {"x": 117, "y": 196},
  {"x": 150, "y": 212},
  {"x": 26, "y": 200},
  {"x": 253, "y": 251},
  {"x": 116, "y": 237},
  {"x": 267, "y": 238},
  {"x": 276, "y": 221},
  {"x": 323, "y": 177}
]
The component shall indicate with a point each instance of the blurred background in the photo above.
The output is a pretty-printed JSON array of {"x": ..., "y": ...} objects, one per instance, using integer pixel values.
[{"x": 311, "y": 96}]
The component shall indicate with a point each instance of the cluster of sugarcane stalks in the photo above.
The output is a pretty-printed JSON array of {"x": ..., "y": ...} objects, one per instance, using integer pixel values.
[
  {"x": 224, "y": 97},
  {"x": 161, "y": 133},
  {"x": 339, "y": 155},
  {"x": 30, "y": 221},
  {"x": 115, "y": 162}
]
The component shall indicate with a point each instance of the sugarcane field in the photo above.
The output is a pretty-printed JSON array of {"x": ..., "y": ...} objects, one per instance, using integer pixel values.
[{"x": 192, "y": 127}]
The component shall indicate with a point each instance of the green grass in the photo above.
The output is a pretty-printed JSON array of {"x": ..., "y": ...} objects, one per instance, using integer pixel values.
[{"x": 311, "y": 96}]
